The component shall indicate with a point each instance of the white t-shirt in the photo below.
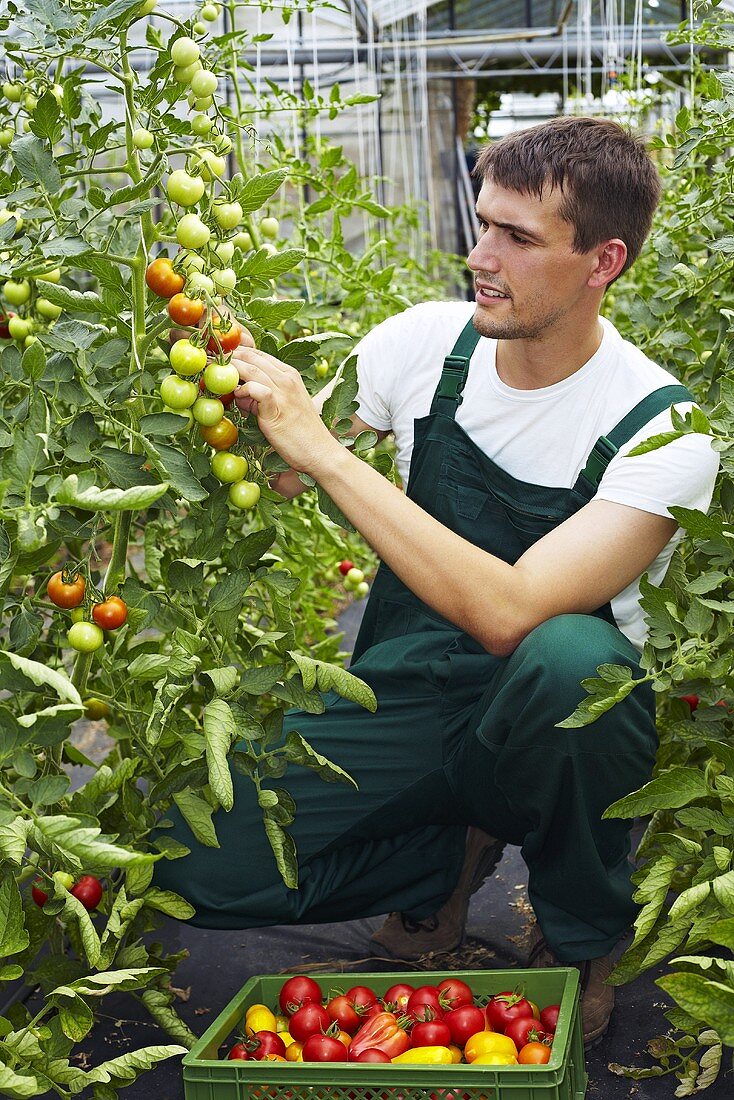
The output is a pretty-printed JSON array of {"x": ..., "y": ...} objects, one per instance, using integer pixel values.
[{"x": 542, "y": 436}]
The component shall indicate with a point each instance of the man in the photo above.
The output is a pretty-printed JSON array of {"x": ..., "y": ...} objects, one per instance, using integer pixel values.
[{"x": 509, "y": 573}]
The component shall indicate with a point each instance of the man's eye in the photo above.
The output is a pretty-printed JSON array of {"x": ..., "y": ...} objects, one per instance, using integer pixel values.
[{"x": 518, "y": 240}]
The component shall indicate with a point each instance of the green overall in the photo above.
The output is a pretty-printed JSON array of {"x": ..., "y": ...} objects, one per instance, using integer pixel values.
[{"x": 460, "y": 737}]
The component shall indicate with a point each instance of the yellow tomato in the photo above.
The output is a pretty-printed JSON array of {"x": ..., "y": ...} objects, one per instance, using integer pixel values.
[
  {"x": 286, "y": 1037},
  {"x": 273, "y": 1058},
  {"x": 488, "y": 1042},
  {"x": 294, "y": 1052},
  {"x": 429, "y": 1056},
  {"x": 455, "y": 1054},
  {"x": 496, "y": 1059},
  {"x": 536, "y": 1010},
  {"x": 259, "y": 1018},
  {"x": 344, "y": 1037},
  {"x": 281, "y": 1024}
]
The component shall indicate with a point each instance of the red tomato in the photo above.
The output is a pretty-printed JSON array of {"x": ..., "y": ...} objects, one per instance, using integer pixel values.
[
  {"x": 692, "y": 701},
  {"x": 456, "y": 992},
  {"x": 308, "y": 1020},
  {"x": 66, "y": 594},
  {"x": 430, "y": 1033},
  {"x": 162, "y": 279},
  {"x": 525, "y": 1029},
  {"x": 40, "y": 896},
  {"x": 361, "y": 996},
  {"x": 464, "y": 1022},
  {"x": 549, "y": 1017},
  {"x": 342, "y": 1010},
  {"x": 221, "y": 437},
  {"x": 111, "y": 613},
  {"x": 373, "y": 1055},
  {"x": 504, "y": 1007},
  {"x": 239, "y": 1051},
  {"x": 224, "y": 340},
  {"x": 185, "y": 311},
  {"x": 4, "y": 318},
  {"x": 269, "y": 1043},
  {"x": 323, "y": 1048},
  {"x": 88, "y": 891},
  {"x": 397, "y": 995},
  {"x": 534, "y": 1054},
  {"x": 425, "y": 997},
  {"x": 344, "y": 567}
]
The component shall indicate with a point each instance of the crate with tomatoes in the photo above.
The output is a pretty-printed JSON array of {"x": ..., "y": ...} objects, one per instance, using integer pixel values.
[{"x": 443, "y": 1024}]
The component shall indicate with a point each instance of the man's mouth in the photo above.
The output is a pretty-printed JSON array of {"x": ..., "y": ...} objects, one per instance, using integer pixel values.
[{"x": 487, "y": 291}]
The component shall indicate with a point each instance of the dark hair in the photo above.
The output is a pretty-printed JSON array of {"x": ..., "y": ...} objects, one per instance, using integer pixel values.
[{"x": 610, "y": 184}]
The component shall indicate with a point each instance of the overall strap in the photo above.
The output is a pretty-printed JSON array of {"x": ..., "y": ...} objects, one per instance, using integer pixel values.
[
  {"x": 448, "y": 395},
  {"x": 607, "y": 446}
]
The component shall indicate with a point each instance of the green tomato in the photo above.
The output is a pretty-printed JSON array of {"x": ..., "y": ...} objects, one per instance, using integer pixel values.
[
  {"x": 228, "y": 467},
  {"x": 227, "y": 214},
  {"x": 187, "y": 359},
  {"x": 225, "y": 279},
  {"x": 12, "y": 92},
  {"x": 270, "y": 227},
  {"x": 52, "y": 276},
  {"x": 142, "y": 138},
  {"x": 269, "y": 247},
  {"x": 85, "y": 637},
  {"x": 147, "y": 7},
  {"x": 17, "y": 292},
  {"x": 30, "y": 340},
  {"x": 201, "y": 125},
  {"x": 184, "y": 75},
  {"x": 30, "y": 102},
  {"x": 6, "y": 136},
  {"x": 191, "y": 232},
  {"x": 242, "y": 240},
  {"x": 354, "y": 577},
  {"x": 6, "y": 215},
  {"x": 95, "y": 709},
  {"x": 177, "y": 393},
  {"x": 244, "y": 494},
  {"x": 362, "y": 590},
  {"x": 211, "y": 164},
  {"x": 204, "y": 83},
  {"x": 64, "y": 879},
  {"x": 199, "y": 282},
  {"x": 210, "y": 12},
  {"x": 322, "y": 368},
  {"x": 225, "y": 251},
  {"x": 47, "y": 309},
  {"x": 207, "y": 411},
  {"x": 184, "y": 416},
  {"x": 189, "y": 262},
  {"x": 183, "y": 189},
  {"x": 78, "y": 615},
  {"x": 184, "y": 51},
  {"x": 19, "y": 327},
  {"x": 223, "y": 144},
  {"x": 199, "y": 27},
  {"x": 221, "y": 378}
]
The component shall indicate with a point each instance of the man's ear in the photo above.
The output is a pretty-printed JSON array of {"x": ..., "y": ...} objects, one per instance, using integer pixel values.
[{"x": 610, "y": 259}]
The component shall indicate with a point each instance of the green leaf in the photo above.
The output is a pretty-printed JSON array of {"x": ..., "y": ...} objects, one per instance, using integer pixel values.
[
  {"x": 72, "y": 300},
  {"x": 13, "y": 936},
  {"x": 723, "y": 933},
  {"x": 229, "y": 593},
  {"x": 43, "y": 676},
  {"x": 13, "y": 839},
  {"x": 94, "y": 499},
  {"x": 75, "y": 1016},
  {"x": 723, "y": 887},
  {"x": 35, "y": 162},
  {"x": 262, "y": 263},
  {"x": 284, "y": 850},
  {"x": 149, "y": 666},
  {"x": 197, "y": 814},
  {"x": 220, "y": 732},
  {"x": 169, "y": 903},
  {"x": 19, "y": 1085},
  {"x": 70, "y": 842},
  {"x": 672, "y": 788},
  {"x": 300, "y": 752},
  {"x": 249, "y": 550},
  {"x": 128, "y": 1067},
  {"x": 710, "y": 1002},
  {"x": 257, "y": 681},
  {"x": 259, "y": 188},
  {"x": 333, "y": 678}
]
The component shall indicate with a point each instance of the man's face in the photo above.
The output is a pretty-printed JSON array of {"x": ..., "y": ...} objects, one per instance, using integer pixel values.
[{"x": 525, "y": 252}]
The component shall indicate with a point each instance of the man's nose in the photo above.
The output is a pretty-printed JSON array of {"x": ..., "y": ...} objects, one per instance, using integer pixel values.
[{"x": 483, "y": 256}]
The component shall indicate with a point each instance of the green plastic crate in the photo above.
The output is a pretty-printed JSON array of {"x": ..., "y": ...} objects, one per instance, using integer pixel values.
[{"x": 208, "y": 1075}]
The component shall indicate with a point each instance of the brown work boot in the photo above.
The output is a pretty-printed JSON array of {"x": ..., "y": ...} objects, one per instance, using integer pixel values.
[
  {"x": 404, "y": 938},
  {"x": 597, "y": 999}
]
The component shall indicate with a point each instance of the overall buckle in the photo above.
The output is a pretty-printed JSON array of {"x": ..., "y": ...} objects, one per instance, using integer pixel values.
[
  {"x": 602, "y": 454},
  {"x": 453, "y": 378}
]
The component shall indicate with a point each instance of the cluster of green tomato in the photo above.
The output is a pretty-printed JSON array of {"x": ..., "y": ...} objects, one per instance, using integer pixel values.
[{"x": 26, "y": 295}]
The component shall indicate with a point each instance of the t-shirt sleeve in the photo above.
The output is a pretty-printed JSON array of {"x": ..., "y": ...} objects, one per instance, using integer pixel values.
[
  {"x": 680, "y": 474},
  {"x": 378, "y": 366}
]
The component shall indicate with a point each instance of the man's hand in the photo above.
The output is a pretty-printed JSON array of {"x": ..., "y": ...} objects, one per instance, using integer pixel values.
[{"x": 285, "y": 412}]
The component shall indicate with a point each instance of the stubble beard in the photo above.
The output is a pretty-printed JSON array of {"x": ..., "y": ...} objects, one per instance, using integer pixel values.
[{"x": 532, "y": 327}]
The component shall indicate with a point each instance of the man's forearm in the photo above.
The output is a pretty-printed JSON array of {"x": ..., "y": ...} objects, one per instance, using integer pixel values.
[{"x": 476, "y": 591}]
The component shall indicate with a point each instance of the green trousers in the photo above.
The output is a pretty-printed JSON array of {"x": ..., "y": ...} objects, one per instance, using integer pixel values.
[{"x": 470, "y": 741}]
